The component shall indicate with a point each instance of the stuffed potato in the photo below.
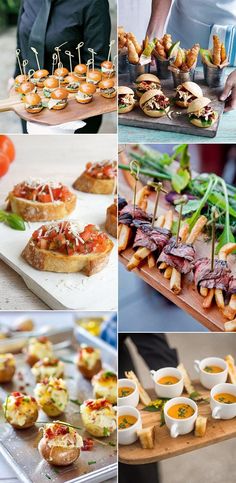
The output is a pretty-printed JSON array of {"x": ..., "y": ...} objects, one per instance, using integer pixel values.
[
  {"x": 7, "y": 367},
  {"x": 99, "y": 417},
  {"x": 105, "y": 386},
  {"x": 98, "y": 178},
  {"x": 48, "y": 368},
  {"x": 20, "y": 410},
  {"x": 89, "y": 361},
  {"x": 52, "y": 396},
  {"x": 38, "y": 349},
  {"x": 60, "y": 444}
]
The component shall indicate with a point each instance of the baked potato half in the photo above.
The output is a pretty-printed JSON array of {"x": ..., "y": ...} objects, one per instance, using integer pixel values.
[
  {"x": 99, "y": 417},
  {"x": 52, "y": 396},
  {"x": 88, "y": 361},
  {"x": 37, "y": 349},
  {"x": 60, "y": 444},
  {"x": 47, "y": 368},
  {"x": 105, "y": 386},
  {"x": 20, "y": 410},
  {"x": 7, "y": 367}
]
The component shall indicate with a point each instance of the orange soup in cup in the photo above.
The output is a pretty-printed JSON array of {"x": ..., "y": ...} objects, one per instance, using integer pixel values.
[
  {"x": 213, "y": 369},
  {"x": 124, "y": 391},
  {"x": 225, "y": 398},
  {"x": 180, "y": 411},
  {"x": 168, "y": 380},
  {"x": 126, "y": 420}
]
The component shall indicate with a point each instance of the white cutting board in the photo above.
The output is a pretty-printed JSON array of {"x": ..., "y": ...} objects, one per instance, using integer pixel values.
[{"x": 63, "y": 291}]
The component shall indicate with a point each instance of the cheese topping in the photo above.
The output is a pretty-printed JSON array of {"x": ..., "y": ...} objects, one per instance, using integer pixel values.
[
  {"x": 40, "y": 348},
  {"x": 102, "y": 417},
  {"x": 62, "y": 436},
  {"x": 48, "y": 368},
  {"x": 18, "y": 409},
  {"x": 89, "y": 356},
  {"x": 6, "y": 360}
]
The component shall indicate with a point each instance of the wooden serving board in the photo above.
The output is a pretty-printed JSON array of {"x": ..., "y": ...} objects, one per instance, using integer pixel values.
[
  {"x": 180, "y": 124},
  {"x": 167, "y": 447},
  {"x": 72, "y": 112},
  {"x": 189, "y": 298}
]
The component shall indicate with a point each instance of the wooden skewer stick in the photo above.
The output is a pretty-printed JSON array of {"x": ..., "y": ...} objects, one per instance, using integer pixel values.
[
  {"x": 134, "y": 171},
  {"x": 93, "y": 55},
  {"x": 36, "y": 56},
  {"x": 88, "y": 64},
  {"x": 18, "y": 60},
  {"x": 54, "y": 61},
  {"x": 58, "y": 50},
  {"x": 68, "y": 52},
  {"x": 79, "y": 46},
  {"x": 158, "y": 187},
  {"x": 213, "y": 238},
  {"x": 24, "y": 64},
  {"x": 182, "y": 201},
  {"x": 112, "y": 42}
]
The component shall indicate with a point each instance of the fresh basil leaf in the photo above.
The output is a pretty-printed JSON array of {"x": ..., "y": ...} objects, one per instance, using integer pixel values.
[
  {"x": 180, "y": 180},
  {"x": 3, "y": 215},
  {"x": 15, "y": 222},
  {"x": 190, "y": 207}
]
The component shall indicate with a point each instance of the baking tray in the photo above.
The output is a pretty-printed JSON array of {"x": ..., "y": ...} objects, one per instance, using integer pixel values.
[
  {"x": 180, "y": 124},
  {"x": 19, "y": 448},
  {"x": 167, "y": 447},
  {"x": 61, "y": 290}
]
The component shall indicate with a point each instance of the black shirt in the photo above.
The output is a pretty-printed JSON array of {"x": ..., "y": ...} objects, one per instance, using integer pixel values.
[{"x": 73, "y": 21}]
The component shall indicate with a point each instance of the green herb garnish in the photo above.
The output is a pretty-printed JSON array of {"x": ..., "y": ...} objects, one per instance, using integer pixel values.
[
  {"x": 12, "y": 220},
  {"x": 92, "y": 462}
]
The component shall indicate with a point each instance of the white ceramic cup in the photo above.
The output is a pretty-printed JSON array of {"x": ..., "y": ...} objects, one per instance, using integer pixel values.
[
  {"x": 167, "y": 391},
  {"x": 129, "y": 435},
  {"x": 222, "y": 410},
  {"x": 208, "y": 379},
  {"x": 133, "y": 398},
  {"x": 180, "y": 426}
]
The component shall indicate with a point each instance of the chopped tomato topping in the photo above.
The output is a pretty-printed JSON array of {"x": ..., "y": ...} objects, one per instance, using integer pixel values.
[
  {"x": 43, "y": 193},
  {"x": 88, "y": 444},
  {"x": 42, "y": 339},
  {"x": 103, "y": 170},
  {"x": 56, "y": 430},
  {"x": 97, "y": 404},
  {"x": 65, "y": 238}
]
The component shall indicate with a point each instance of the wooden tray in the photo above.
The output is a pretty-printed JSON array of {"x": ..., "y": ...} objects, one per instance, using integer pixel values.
[
  {"x": 167, "y": 447},
  {"x": 72, "y": 112},
  {"x": 189, "y": 298},
  {"x": 137, "y": 118}
]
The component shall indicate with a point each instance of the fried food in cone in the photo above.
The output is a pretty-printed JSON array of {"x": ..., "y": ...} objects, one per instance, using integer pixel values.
[
  {"x": 132, "y": 54},
  {"x": 192, "y": 55},
  {"x": 223, "y": 53},
  {"x": 137, "y": 45},
  {"x": 216, "y": 55},
  {"x": 160, "y": 50},
  {"x": 167, "y": 42}
]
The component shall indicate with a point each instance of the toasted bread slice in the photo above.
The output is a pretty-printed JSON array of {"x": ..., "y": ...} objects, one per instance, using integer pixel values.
[
  {"x": 231, "y": 369},
  {"x": 37, "y": 211},
  {"x": 89, "y": 184},
  {"x": 200, "y": 426},
  {"x": 111, "y": 220},
  {"x": 147, "y": 437},
  {"x": 52, "y": 261}
]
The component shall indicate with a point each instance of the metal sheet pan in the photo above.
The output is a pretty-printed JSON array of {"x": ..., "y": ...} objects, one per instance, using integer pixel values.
[{"x": 19, "y": 448}]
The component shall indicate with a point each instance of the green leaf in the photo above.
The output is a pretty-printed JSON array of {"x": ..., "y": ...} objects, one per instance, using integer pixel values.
[
  {"x": 182, "y": 151},
  {"x": 162, "y": 422},
  {"x": 191, "y": 206},
  {"x": 3, "y": 215},
  {"x": 194, "y": 395},
  {"x": 225, "y": 237},
  {"x": 15, "y": 222},
  {"x": 180, "y": 180},
  {"x": 165, "y": 160},
  {"x": 106, "y": 431}
]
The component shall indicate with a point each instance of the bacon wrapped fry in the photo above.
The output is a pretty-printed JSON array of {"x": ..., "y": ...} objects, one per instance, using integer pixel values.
[
  {"x": 132, "y": 54},
  {"x": 216, "y": 50},
  {"x": 192, "y": 55}
]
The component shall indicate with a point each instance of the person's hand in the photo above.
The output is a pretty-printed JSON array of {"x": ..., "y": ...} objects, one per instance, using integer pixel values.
[
  {"x": 10, "y": 84},
  {"x": 229, "y": 92}
]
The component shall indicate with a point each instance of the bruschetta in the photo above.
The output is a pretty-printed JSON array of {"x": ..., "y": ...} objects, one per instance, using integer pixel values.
[
  {"x": 99, "y": 417},
  {"x": 60, "y": 444},
  {"x": 111, "y": 219},
  {"x": 38, "y": 348},
  {"x": 38, "y": 200},
  {"x": 64, "y": 247},
  {"x": 98, "y": 178},
  {"x": 89, "y": 361},
  {"x": 47, "y": 368},
  {"x": 20, "y": 410},
  {"x": 7, "y": 367}
]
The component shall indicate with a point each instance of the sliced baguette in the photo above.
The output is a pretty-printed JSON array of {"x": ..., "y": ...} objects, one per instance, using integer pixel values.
[
  {"x": 36, "y": 211},
  {"x": 88, "y": 184},
  {"x": 111, "y": 220},
  {"x": 51, "y": 261}
]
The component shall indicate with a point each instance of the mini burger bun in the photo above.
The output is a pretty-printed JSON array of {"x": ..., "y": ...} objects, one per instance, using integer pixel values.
[
  {"x": 57, "y": 456},
  {"x": 198, "y": 123},
  {"x": 146, "y": 97},
  {"x": 33, "y": 99},
  {"x": 107, "y": 84},
  {"x": 51, "y": 83},
  {"x": 198, "y": 104},
  {"x": 59, "y": 94},
  {"x": 80, "y": 69},
  {"x": 122, "y": 90},
  {"x": 191, "y": 87},
  {"x": 86, "y": 88},
  {"x": 148, "y": 78},
  {"x": 26, "y": 87},
  {"x": 41, "y": 73}
]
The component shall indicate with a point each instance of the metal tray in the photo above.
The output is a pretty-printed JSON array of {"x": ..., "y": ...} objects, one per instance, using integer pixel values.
[{"x": 19, "y": 448}]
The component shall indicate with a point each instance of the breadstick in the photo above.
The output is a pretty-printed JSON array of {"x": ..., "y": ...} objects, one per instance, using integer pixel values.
[
  {"x": 208, "y": 299},
  {"x": 198, "y": 227},
  {"x": 124, "y": 237},
  {"x": 168, "y": 273},
  {"x": 203, "y": 291},
  {"x": 144, "y": 397},
  {"x": 151, "y": 261},
  {"x": 231, "y": 368},
  {"x": 187, "y": 381},
  {"x": 142, "y": 252},
  {"x": 224, "y": 251},
  {"x": 175, "y": 276}
]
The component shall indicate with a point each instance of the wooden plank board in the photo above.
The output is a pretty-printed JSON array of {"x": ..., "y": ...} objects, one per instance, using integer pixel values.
[
  {"x": 189, "y": 298},
  {"x": 72, "y": 112},
  {"x": 180, "y": 124},
  {"x": 167, "y": 447}
]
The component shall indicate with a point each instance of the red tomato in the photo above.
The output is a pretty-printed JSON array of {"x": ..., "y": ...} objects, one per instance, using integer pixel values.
[
  {"x": 44, "y": 198},
  {"x": 4, "y": 163},
  {"x": 7, "y": 147}
]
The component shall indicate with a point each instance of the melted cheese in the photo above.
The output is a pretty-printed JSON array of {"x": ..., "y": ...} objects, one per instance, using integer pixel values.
[
  {"x": 41, "y": 372},
  {"x": 101, "y": 418},
  {"x": 19, "y": 414},
  {"x": 71, "y": 439},
  {"x": 39, "y": 349},
  {"x": 89, "y": 359},
  {"x": 6, "y": 360},
  {"x": 55, "y": 392}
]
